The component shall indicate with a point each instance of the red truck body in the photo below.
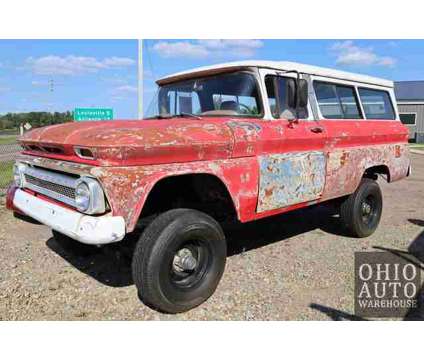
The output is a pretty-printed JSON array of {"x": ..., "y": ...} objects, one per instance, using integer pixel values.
[
  {"x": 245, "y": 140},
  {"x": 132, "y": 156}
]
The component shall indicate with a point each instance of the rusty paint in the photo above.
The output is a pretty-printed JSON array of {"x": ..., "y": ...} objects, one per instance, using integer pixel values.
[
  {"x": 287, "y": 179},
  {"x": 267, "y": 167},
  {"x": 398, "y": 151},
  {"x": 343, "y": 158},
  {"x": 137, "y": 142},
  {"x": 345, "y": 167}
]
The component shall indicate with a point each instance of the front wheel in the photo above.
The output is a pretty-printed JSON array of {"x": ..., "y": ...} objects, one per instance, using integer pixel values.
[
  {"x": 179, "y": 260},
  {"x": 361, "y": 211}
]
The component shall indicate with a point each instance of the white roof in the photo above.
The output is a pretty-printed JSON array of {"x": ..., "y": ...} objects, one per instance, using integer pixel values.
[{"x": 278, "y": 65}]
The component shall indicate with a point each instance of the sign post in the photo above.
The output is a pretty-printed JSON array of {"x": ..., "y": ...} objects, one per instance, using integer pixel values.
[{"x": 90, "y": 114}]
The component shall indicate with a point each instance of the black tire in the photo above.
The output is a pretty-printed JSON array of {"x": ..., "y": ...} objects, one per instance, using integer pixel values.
[
  {"x": 161, "y": 284},
  {"x": 73, "y": 246},
  {"x": 361, "y": 211}
]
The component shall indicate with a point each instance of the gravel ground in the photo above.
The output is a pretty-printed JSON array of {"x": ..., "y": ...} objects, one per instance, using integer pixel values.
[{"x": 297, "y": 266}]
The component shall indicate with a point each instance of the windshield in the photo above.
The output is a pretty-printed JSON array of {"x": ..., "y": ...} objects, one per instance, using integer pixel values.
[{"x": 229, "y": 94}]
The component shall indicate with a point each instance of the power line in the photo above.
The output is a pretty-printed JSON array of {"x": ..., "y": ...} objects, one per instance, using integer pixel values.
[{"x": 149, "y": 60}]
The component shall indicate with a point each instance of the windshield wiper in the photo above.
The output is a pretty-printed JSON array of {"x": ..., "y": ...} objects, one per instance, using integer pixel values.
[
  {"x": 170, "y": 116},
  {"x": 189, "y": 115},
  {"x": 159, "y": 117}
]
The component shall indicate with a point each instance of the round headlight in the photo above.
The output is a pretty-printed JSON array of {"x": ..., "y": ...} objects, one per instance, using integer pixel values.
[{"x": 82, "y": 196}]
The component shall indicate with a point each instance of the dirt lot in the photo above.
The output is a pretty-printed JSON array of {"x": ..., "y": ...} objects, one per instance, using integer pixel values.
[{"x": 297, "y": 266}]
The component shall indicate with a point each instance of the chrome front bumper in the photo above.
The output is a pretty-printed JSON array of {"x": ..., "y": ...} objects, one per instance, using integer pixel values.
[{"x": 94, "y": 230}]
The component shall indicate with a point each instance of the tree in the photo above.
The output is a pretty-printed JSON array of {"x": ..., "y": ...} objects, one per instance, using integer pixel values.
[{"x": 36, "y": 119}]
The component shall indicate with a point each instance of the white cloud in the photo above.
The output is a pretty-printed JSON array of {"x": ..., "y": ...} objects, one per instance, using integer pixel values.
[
  {"x": 117, "y": 98},
  {"x": 39, "y": 83},
  {"x": 74, "y": 65},
  {"x": 147, "y": 74},
  {"x": 118, "y": 61},
  {"x": 123, "y": 92},
  {"x": 207, "y": 48},
  {"x": 118, "y": 79},
  {"x": 350, "y": 54},
  {"x": 180, "y": 49},
  {"x": 125, "y": 89}
]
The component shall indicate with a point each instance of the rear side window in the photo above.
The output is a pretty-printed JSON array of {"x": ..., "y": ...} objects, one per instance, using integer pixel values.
[
  {"x": 349, "y": 102},
  {"x": 376, "y": 104},
  {"x": 408, "y": 118},
  {"x": 337, "y": 101}
]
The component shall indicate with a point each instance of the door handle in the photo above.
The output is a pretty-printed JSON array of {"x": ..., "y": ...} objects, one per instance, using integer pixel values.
[{"x": 317, "y": 129}]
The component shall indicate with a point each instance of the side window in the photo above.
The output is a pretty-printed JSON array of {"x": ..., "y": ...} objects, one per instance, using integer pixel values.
[
  {"x": 376, "y": 104},
  {"x": 337, "y": 101},
  {"x": 245, "y": 105},
  {"x": 183, "y": 102},
  {"x": 349, "y": 102},
  {"x": 218, "y": 99},
  {"x": 328, "y": 101},
  {"x": 408, "y": 118},
  {"x": 276, "y": 88}
]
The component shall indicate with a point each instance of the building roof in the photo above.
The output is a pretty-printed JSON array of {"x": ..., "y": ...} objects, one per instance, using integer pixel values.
[
  {"x": 409, "y": 90},
  {"x": 277, "y": 65}
]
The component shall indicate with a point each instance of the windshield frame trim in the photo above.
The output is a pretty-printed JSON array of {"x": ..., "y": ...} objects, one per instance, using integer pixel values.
[{"x": 248, "y": 70}]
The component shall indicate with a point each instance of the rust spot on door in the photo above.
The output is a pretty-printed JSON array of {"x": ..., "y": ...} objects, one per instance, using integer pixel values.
[{"x": 287, "y": 179}]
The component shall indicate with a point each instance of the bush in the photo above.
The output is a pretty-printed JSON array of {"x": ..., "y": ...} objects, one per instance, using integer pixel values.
[{"x": 36, "y": 119}]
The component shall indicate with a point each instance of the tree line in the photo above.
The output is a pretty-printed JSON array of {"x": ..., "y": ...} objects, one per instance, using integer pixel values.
[{"x": 36, "y": 119}]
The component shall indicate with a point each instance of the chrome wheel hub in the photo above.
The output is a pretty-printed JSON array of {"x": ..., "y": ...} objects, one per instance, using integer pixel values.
[
  {"x": 366, "y": 208},
  {"x": 184, "y": 261}
]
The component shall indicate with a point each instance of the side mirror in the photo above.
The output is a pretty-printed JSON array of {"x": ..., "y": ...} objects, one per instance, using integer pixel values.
[
  {"x": 302, "y": 93},
  {"x": 297, "y": 93},
  {"x": 291, "y": 93}
]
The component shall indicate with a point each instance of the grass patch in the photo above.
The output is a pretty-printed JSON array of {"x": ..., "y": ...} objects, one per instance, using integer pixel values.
[
  {"x": 6, "y": 173},
  {"x": 417, "y": 146},
  {"x": 9, "y": 139}
]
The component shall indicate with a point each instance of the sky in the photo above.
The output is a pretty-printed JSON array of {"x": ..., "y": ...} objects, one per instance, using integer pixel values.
[
  {"x": 391, "y": 59},
  {"x": 59, "y": 75}
]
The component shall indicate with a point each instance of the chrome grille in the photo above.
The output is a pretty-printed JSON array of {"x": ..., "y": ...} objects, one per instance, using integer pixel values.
[
  {"x": 60, "y": 189},
  {"x": 55, "y": 185}
]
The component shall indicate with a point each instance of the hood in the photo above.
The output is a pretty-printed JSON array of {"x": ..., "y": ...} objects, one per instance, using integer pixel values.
[{"x": 136, "y": 142}]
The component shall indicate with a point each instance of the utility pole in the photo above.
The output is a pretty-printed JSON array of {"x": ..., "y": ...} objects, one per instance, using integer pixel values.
[
  {"x": 140, "y": 79},
  {"x": 51, "y": 88}
]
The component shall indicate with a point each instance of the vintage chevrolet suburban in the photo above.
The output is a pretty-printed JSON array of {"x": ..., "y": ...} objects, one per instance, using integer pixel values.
[{"x": 242, "y": 140}]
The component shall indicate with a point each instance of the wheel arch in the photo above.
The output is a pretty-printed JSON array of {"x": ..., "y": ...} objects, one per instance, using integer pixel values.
[
  {"x": 158, "y": 189},
  {"x": 372, "y": 172}
]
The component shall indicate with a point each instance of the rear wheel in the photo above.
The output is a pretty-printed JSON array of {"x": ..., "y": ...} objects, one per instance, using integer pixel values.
[
  {"x": 179, "y": 260},
  {"x": 361, "y": 211}
]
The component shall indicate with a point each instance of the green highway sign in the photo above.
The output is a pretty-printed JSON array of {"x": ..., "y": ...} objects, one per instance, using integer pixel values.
[{"x": 87, "y": 114}]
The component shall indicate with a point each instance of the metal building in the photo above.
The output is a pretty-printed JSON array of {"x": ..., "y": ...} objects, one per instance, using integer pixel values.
[{"x": 410, "y": 100}]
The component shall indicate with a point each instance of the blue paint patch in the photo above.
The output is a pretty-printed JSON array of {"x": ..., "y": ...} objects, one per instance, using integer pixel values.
[{"x": 288, "y": 179}]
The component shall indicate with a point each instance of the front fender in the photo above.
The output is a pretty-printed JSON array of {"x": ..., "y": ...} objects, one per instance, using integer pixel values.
[{"x": 127, "y": 188}]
